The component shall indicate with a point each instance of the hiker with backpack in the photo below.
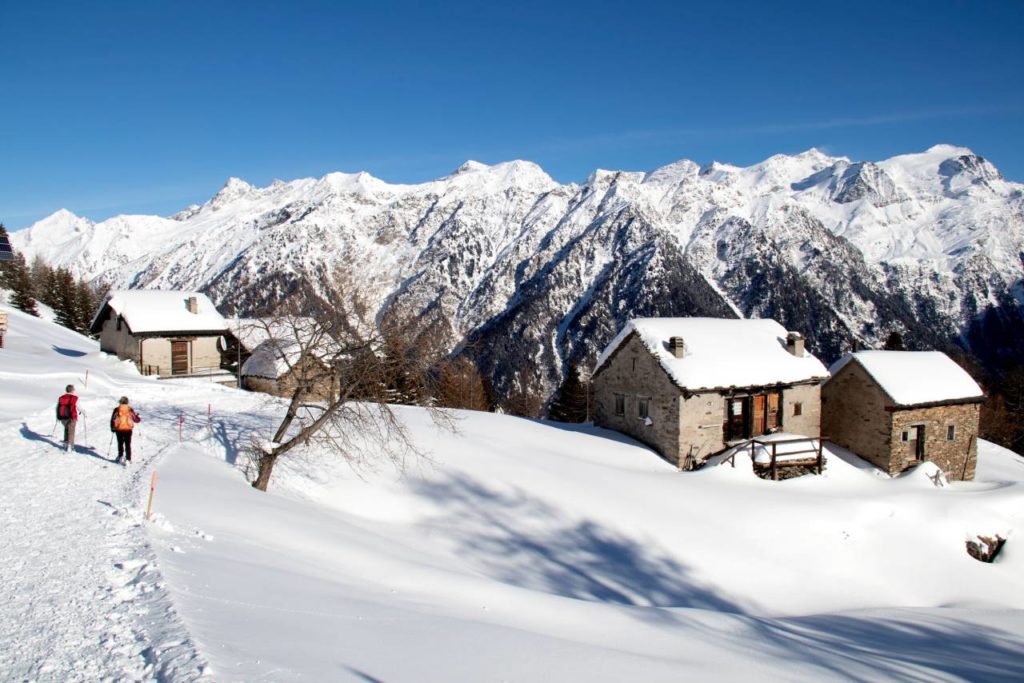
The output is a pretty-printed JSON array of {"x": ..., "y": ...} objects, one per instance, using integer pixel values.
[
  {"x": 122, "y": 422},
  {"x": 67, "y": 415}
]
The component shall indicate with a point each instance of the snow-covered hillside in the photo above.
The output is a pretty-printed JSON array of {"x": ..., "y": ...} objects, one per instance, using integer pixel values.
[
  {"x": 535, "y": 273},
  {"x": 519, "y": 550}
]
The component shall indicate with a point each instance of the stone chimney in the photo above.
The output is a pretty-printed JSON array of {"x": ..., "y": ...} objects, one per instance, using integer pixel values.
[
  {"x": 676, "y": 346},
  {"x": 193, "y": 305},
  {"x": 795, "y": 344}
]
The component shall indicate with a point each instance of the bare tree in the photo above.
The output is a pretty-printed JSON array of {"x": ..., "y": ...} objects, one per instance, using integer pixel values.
[{"x": 338, "y": 369}]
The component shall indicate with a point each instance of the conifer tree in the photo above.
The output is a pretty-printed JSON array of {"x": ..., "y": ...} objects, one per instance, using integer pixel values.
[
  {"x": 14, "y": 275},
  {"x": 65, "y": 302},
  {"x": 894, "y": 342},
  {"x": 41, "y": 275},
  {"x": 572, "y": 402}
]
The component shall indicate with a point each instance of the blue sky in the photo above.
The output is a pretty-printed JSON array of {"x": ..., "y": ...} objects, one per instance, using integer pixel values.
[{"x": 146, "y": 107}]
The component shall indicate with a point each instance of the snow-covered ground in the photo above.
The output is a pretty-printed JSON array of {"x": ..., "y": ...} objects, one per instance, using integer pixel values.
[{"x": 517, "y": 551}]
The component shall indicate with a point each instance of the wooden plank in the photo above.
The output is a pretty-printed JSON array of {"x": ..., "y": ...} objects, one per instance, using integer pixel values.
[{"x": 757, "y": 424}]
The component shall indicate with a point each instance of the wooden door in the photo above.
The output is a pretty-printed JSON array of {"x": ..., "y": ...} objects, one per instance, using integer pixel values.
[
  {"x": 774, "y": 413},
  {"x": 736, "y": 420},
  {"x": 179, "y": 357},
  {"x": 917, "y": 441},
  {"x": 758, "y": 415}
]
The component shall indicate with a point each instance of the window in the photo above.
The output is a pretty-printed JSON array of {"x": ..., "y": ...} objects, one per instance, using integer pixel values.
[
  {"x": 634, "y": 365},
  {"x": 950, "y": 432},
  {"x": 620, "y": 404},
  {"x": 905, "y": 436},
  {"x": 642, "y": 407},
  {"x": 798, "y": 409},
  {"x": 118, "y": 323}
]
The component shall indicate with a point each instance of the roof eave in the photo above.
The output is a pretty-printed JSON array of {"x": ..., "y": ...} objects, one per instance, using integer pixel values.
[{"x": 938, "y": 404}]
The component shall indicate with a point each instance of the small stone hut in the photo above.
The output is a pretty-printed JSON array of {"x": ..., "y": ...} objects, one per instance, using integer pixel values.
[
  {"x": 689, "y": 387},
  {"x": 164, "y": 332},
  {"x": 291, "y": 350},
  {"x": 896, "y": 409}
]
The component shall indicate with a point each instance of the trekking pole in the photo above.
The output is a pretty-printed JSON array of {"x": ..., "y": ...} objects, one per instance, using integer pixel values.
[
  {"x": 54, "y": 430},
  {"x": 109, "y": 444},
  {"x": 85, "y": 426}
]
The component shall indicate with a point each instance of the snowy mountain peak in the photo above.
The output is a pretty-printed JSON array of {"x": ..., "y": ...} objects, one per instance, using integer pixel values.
[
  {"x": 470, "y": 167},
  {"x": 235, "y": 185},
  {"x": 233, "y": 189},
  {"x": 60, "y": 226},
  {"x": 499, "y": 177},
  {"x": 946, "y": 150}
]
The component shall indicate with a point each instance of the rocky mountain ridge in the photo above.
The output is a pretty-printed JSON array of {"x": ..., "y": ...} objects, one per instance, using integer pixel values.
[{"x": 526, "y": 274}]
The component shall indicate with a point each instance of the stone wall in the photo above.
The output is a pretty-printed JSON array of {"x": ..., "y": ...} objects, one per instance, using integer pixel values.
[
  {"x": 701, "y": 426},
  {"x": 808, "y": 422},
  {"x": 635, "y": 373},
  {"x": 118, "y": 341},
  {"x": 854, "y": 415},
  {"x": 948, "y": 454},
  {"x": 325, "y": 385},
  {"x": 703, "y": 418}
]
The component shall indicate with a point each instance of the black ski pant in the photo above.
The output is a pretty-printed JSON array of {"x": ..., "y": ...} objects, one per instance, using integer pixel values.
[{"x": 124, "y": 445}]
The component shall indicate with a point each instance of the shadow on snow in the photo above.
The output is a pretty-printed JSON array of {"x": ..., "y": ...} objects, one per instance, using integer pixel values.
[{"x": 526, "y": 542}]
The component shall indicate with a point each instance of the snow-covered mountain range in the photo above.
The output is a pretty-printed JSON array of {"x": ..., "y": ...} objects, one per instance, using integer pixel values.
[{"x": 533, "y": 273}]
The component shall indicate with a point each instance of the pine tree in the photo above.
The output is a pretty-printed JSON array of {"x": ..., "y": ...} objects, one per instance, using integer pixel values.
[
  {"x": 894, "y": 342},
  {"x": 21, "y": 286},
  {"x": 572, "y": 402},
  {"x": 41, "y": 275},
  {"x": 88, "y": 299},
  {"x": 65, "y": 306}
]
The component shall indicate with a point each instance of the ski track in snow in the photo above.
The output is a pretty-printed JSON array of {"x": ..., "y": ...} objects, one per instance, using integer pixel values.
[{"x": 81, "y": 597}]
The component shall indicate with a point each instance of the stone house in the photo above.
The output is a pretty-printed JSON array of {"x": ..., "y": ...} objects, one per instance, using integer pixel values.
[
  {"x": 896, "y": 409},
  {"x": 287, "y": 352},
  {"x": 689, "y": 387},
  {"x": 164, "y": 332}
]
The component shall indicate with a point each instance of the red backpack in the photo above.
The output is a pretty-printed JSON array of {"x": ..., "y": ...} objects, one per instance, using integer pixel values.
[{"x": 64, "y": 405}]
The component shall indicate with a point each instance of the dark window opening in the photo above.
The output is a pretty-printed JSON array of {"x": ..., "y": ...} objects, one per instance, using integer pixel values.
[
  {"x": 620, "y": 404},
  {"x": 642, "y": 407},
  {"x": 798, "y": 409},
  {"x": 951, "y": 433}
]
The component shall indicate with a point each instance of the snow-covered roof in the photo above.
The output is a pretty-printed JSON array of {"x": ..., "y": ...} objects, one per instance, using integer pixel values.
[
  {"x": 281, "y": 347},
  {"x": 270, "y": 359},
  {"x": 154, "y": 310},
  {"x": 721, "y": 352},
  {"x": 914, "y": 377}
]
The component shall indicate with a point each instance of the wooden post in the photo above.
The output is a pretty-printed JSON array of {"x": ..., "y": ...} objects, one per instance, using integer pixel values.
[
  {"x": 967, "y": 456},
  {"x": 181, "y": 421},
  {"x": 87, "y": 378},
  {"x": 819, "y": 455},
  {"x": 152, "y": 490},
  {"x": 775, "y": 471}
]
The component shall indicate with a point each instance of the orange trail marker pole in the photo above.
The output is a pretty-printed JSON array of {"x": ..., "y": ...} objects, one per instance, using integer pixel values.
[
  {"x": 152, "y": 491},
  {"x": 86, "y": 378}
]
